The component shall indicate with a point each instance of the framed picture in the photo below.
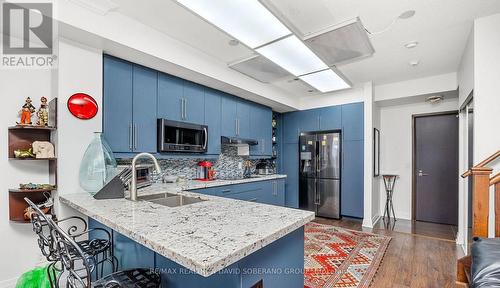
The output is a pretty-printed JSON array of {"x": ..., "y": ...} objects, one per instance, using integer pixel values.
[{"x": 376, "y": 152}]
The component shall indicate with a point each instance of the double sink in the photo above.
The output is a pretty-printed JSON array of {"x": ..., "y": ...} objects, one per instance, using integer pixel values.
[{"x": 170, "y": 199}]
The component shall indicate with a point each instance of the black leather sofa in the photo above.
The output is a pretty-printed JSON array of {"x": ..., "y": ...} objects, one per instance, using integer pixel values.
[{"x": 485, "y": 264}]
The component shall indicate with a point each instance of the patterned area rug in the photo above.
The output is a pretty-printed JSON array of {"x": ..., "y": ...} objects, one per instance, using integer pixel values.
[{"x": 337, "y": 257}]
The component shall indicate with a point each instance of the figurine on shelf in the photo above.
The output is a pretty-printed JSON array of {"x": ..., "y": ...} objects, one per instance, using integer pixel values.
[
  {"x": 43, "y": 113},
  {"x": 26, "y": 112},
  {"x": 43, "y": 149},
  {"x": 24, "y": 153}
]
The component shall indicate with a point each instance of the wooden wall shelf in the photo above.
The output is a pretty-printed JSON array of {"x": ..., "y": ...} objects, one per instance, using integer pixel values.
[
  {"x": 29, "y": 127},
  {"x": 30, "y": 190},
  {"x": 21, "y": 137},
  {"x": 17, "y": 204},
  {"x": 50, "y": 159}
]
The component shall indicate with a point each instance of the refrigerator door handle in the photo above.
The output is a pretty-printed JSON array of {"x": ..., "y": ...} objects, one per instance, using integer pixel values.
[{"x": 316, "y": 192}]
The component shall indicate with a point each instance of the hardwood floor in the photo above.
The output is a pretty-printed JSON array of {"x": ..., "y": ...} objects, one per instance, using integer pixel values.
[{"x": 411, "y": 260}]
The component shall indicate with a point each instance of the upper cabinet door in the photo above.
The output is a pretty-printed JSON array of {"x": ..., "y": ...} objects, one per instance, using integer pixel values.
[
  {"x": 213, "y": 117},
  {"x": 194, "y": 103},
  {"x": 118, "y": 104},
  {"x": 243, "y": 114},
  {"x": 145, "y": 90},
  {"x": 229, "y": 116},
  {"x": 291, "y": 121},
  {"x": 170, "y": 97},
  {"x": 353, "y": 121},
  {"x": 309, "y": 120},
  {"x": 330, "y": 118},
  {"x": 261, "y": 129}
]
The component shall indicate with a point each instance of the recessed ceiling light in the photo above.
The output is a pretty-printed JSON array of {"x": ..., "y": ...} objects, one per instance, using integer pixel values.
[
  {"x": 412, "y": 44},
  {"x": 234, "y": 42},
  {"x": 414, "y": 63},
  {"x": 407, "y": 14},
  {"x": 248, "y": 21}
]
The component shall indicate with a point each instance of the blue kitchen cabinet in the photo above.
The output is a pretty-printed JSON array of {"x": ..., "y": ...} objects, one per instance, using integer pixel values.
[
  {"x": 353, "y": 121},
  {"x": 291, "y": 169},
  {"x": 330, "y": 118},
  {"x": 117, "y": 115},
  {"x": 213, "y": 120},
  {"x": 170, "y": 97},
  {"x": 352, "y": 186},
  {"x": 261, "y": 118},
  {"x": 243, "y": 114},
  {"x": 144, "y": 103},
  {"x": 266, "y": 192},
  {"x": 309, "y": 120},
  {"x": 291, "y": 123},
  {"x": 235, "y": 117},
  {"x": 194, "y": 103},
  {"x": 229, "y": 116}
]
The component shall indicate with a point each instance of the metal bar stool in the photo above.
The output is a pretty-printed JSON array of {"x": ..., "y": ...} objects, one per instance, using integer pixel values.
[
  {"x": 389, "y": 181},
  {"x": 100, "y": 249},
  {"x": 74, "y": 261}
]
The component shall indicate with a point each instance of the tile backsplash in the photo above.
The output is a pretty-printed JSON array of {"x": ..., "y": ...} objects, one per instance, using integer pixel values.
[{"x": 226, "y": 166}]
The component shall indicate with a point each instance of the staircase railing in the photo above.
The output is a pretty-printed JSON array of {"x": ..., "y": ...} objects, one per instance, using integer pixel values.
[{"x": 481, "y": 183}]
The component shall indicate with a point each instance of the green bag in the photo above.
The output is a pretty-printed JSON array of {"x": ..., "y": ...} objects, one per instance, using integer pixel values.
[{"x": 35, "y": 278}]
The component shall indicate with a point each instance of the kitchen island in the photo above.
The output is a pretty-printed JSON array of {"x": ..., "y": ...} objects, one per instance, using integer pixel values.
[{"x": 218, "y": 242}]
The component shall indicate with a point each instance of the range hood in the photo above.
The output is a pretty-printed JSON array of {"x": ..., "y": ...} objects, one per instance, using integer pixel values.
[{"x": 235, "y": 141}]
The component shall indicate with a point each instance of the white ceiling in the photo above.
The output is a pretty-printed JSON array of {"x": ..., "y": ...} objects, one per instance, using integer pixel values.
[{"x": 440, "y": 26}]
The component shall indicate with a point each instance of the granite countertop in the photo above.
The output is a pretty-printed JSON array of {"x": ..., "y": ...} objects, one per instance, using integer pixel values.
[{"x": 204, "y": 237}]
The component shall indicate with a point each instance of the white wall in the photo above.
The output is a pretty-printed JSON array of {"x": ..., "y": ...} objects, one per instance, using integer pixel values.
[
  {"x": 421, "y": 86},
  {"x": 80, "y": 70},
  {"x": 465, "y": 74},
  {"x": 396, "y": 149},
  {"x": 18, "y": 246},
  {"x": 487, "y": 93}
]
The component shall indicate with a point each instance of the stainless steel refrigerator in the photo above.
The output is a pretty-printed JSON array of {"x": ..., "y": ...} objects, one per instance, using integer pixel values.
[{"x": 319, "y": 175}]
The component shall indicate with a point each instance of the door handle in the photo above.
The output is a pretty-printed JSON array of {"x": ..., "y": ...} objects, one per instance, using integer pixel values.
[
  {"x": 205, "y": 131},
  {"x": 421, "y": 173}
]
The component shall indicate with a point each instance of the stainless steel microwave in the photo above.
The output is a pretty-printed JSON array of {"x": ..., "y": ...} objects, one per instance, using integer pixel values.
[{"x": 174, "y": 136}]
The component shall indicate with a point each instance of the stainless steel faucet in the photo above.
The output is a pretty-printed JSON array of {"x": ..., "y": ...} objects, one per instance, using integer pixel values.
[{"x": 133, "y": 182}]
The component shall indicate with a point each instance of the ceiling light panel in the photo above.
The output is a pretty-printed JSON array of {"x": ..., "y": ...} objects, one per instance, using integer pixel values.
[
  {"x": 340, "y": 44},
  {"x": 292, "y": 55},
  {"x": 260, "y": 68},
  {"x": 248, "y": 21},
  {"x": 326, "y": 81}
]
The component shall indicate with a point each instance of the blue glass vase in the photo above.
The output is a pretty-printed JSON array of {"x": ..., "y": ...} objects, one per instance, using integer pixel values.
[{"x": 98, "y": 165}]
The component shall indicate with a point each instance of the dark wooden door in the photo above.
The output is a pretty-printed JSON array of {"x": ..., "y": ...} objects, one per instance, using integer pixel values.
[{"x": 436, "y": 168}]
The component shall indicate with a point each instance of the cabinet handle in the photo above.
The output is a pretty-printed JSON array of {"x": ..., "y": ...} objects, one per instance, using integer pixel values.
[
  {"x": 275, "y": 188},
  {"x": 226, "y": 191},
  {"x": 253, "y": 200},
  {"x": 185, "y": 109},
  {"x": 130, "y": 136},
  {"x": 182, "y": 108},
  {"x": 135, "y": 136},
  {"x": 236, "y": 126}
]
